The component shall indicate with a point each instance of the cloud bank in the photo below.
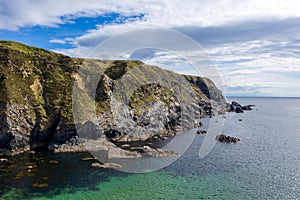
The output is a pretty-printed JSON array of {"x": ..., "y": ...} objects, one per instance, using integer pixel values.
[{"x": 255, "y": 44}]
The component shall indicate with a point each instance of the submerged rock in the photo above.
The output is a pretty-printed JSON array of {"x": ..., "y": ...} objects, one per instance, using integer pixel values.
[
  {"x": 88, "y": 158},
  {"x": 3, "y": 160},
  {"x": 106, "y": 165},
  {"x": 53, "y": 162},
  {"x": 156, "y": 152},
  {"x": 40, "y": 185}
]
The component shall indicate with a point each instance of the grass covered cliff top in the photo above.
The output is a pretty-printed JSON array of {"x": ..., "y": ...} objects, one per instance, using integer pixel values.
[
  {"x": 37, "y": 78},
  {"x": 44, "y": 80}
]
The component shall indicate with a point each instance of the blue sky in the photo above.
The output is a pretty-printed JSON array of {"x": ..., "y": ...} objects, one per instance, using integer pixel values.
[{"x": 255, "y": 44}]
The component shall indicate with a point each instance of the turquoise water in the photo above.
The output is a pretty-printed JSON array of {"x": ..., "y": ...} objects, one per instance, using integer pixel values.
[{"x": 265, "y": 164}]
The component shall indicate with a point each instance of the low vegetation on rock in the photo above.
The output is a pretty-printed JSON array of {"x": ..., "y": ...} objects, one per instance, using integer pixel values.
[{"x": 36, "y": 99}]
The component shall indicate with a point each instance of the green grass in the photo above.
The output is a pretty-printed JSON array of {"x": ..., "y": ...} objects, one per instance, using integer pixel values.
[
  {"x": 120, "y": 67},
  {"x": 21, "y": 67}
]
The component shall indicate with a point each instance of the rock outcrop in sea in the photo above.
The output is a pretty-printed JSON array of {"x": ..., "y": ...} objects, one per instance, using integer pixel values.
[
  {"x": 201, "y": 132},
  {"x": 237, "y": 108},
  {"x": 227, "y": 139}
]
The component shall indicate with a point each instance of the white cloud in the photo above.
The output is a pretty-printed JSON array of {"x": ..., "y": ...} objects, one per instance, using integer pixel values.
[
  {"x": 268, "y": 64},
  {"x": 15, "y": 14},
  {"x": 58, "y": 41},
  {"x": 263, "y": 69},
  {"x": 245, "y": 68}
]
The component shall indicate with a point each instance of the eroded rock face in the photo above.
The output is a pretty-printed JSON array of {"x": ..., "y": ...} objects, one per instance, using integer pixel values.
[
  {"x": 34, "y": 87},
  {"x": 36, "y": 113},
  {"x": 16, "y": 126},
  {"x": 206, "y": 87},
  {"x": 153, "y": 110}
]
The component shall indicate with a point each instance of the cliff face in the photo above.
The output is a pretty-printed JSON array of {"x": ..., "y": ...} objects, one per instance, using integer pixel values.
[{"x": 36, "y": 98}]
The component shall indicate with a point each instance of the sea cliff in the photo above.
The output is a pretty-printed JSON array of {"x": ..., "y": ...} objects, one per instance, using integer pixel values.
[{"x": 36, "y": 99}]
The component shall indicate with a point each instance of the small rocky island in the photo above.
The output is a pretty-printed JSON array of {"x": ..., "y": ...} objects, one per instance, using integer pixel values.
[
  {"x": 238, "y": 108},
  {"x": 227, "y": 139}
]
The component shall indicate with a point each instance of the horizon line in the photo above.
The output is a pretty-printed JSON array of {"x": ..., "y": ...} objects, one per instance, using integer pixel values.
[{"x": 247, "y": 96}]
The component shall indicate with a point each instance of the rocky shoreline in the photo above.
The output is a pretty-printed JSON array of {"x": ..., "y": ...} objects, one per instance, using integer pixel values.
[
  {"x": 39, "y": 117},
  {"x": 129, "y": 148}
]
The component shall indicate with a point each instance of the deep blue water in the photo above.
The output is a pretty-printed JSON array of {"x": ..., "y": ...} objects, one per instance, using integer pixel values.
[{"x": 265, "y": 164}]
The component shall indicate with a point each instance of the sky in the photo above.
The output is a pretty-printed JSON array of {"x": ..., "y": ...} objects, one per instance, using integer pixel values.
[{"x": 254, "y": 44}]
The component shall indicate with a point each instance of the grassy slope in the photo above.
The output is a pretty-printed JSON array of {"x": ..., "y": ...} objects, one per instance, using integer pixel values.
[
  {"x": 38, "y": 78},
  {"x": 44, "y": 80}
]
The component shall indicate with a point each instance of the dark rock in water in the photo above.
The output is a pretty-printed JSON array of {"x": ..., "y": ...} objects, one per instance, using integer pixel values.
[
  {"x": 248, "y": 107},
  {"x": 237, "y": 108},
  {"x": 201, "y": 132},
  {"x": 198, "y": 124},
  {"x": 240, "y": 120},
  {"x": 235, "y": 104},
  {"x": 227, "y": 139}
]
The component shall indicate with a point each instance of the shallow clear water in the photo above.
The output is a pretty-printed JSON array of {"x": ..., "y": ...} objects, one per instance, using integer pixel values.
[{"x": 265, "y": 164}]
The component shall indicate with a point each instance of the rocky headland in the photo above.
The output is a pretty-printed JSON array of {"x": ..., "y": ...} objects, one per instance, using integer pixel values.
[{"x": 37, "y": 104}]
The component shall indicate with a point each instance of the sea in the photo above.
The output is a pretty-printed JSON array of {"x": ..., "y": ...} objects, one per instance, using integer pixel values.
[{"x": 265, "y": 164}]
